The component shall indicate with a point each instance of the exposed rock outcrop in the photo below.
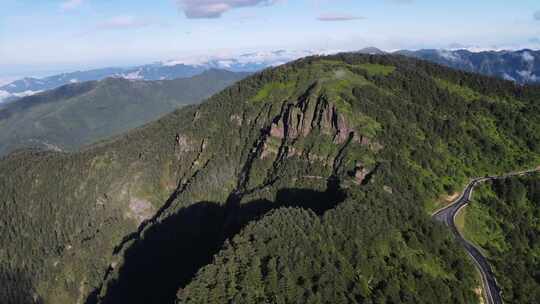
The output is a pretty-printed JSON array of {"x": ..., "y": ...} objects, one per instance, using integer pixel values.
[
  {"x": 236, "y": 119},
  {"x": 140, "y": 210},
  {"x": 183, "y": 144},
  {"x": 277, "y": 130},
  {"x": 360, "y": 173},
  {"x": 313, "y": 111}
]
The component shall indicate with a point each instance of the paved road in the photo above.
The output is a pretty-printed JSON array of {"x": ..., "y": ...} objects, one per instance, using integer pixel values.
[{"x": 447, "y": 216}]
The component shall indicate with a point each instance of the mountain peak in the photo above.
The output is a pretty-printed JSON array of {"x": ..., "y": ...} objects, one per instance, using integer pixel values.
[{"x": 371, "y": 51}]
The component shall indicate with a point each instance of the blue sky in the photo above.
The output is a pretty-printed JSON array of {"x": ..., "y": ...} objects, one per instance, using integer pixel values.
[{"x": 46, "y": 36}]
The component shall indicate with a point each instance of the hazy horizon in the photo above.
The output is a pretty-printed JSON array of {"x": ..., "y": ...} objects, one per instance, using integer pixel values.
[{"x": 39, "y": 39}]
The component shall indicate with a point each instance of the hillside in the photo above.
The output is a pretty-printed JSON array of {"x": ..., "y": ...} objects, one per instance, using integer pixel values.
[
  {"x": 29, "y": 85},
  {"x": 306, "y": 183},
  {"x": 503, "y": 221},
  {"x": 78, "y": 114}
]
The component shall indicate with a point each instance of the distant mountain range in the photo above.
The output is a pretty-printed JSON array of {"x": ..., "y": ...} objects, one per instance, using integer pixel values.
[
  {"x": 76, "y": 114},
  {"x": 168, "y": 70},
  {"x": 521, "y": 66},
  {"x": 29, "y": 86}
]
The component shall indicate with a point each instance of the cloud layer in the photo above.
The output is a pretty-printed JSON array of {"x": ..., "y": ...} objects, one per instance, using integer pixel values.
[
  {"x": 536, "y": 15},
  {"x": 402, "y": 1},
  {"x": 4, "y": 95},
  {"x": 338, "y": 17},
  {"x": 195, "y": 9},
  {"x": 71, "y": 4},
  {"x": 122, "y": 22}
]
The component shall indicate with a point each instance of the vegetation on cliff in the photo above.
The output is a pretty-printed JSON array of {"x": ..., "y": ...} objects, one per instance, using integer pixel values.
[
  {"x": 308, "y": 182},
  {"x": 79, "y": 114},
  {"x": 503, "y": 221}
]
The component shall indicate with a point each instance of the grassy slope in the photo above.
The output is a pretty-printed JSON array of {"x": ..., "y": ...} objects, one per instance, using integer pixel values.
[
  {"x": 72, "y": 116},
  {"x": 419, "y": 140},
  {"x": 503, "y": 221}
]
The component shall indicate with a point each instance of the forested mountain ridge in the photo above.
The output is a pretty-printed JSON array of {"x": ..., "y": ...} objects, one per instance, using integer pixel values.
[
  {"x": 77, "y": 114},
  {"x": 349, "y": 149}
]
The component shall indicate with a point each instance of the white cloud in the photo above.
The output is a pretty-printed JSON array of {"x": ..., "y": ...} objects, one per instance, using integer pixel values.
[
  {"x": 122, "y": 22},
  {"x": 536, "y": 15},
  {"x": 527, "y": 57},
  {"x": 338, "y": 17},
  {"x": 402, "y": 1},
  {"x": 458, "y": 46},
  {"x": 508, "y": 77},
  {"x": 71, "y": 5},
  {"x": 26, "y": 93},
  {"x": 266, "y": 58},
  {"x": 449, "y": 55},
  {"x": 6, "y": 80},
  {"x": 196, "y": 9},
  {"x": 133, "y": 75},
  {"x": 4, "y": 95},
  {"x": 528, "y": 76}
]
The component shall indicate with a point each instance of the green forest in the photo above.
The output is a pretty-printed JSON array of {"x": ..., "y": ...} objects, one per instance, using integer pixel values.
[
  {"x": 311, "y": 182},
  {"x": 503, "y": 219},
  {"x": 79, "y": 114}
]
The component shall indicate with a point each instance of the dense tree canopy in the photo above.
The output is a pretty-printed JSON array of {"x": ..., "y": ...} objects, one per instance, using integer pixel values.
[
  {"x": 308, "y": 182},
  {"x": 504, "y": 220}
]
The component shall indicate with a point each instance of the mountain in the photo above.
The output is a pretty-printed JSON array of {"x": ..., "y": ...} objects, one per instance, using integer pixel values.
[
  {"x": 247, "y": 62},
  {"x": 168, "y": 70},
  {"x": 81, "y": 113},
  {"x": 371, "y": 51},
  {"x": 521, "y": 66},
  {"x": 29, "y": 86},
  {"x": 311, "y": 182}
]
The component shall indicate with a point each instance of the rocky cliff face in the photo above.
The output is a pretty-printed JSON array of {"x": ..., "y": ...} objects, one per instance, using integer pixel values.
[
  {"x": 311, "y": 114},
  {"x": 311, "y": 111}
]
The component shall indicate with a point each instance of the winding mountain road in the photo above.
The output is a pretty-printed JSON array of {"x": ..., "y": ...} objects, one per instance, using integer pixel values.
[{"x": 447, "y": 216}]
